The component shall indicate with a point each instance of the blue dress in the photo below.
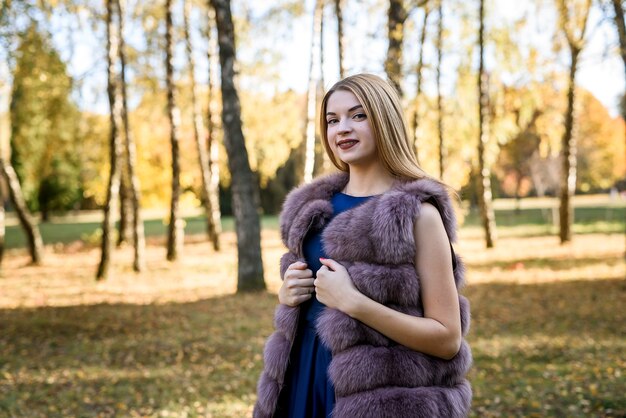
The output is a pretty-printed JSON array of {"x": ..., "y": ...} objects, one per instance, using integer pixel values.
[{"x": 308, "y": 393}]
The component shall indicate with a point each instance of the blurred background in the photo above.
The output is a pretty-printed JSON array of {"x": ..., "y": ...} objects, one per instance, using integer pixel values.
[{"x": 146, "y": 149}]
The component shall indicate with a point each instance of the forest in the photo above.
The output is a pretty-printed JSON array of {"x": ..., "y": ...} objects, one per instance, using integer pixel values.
[{"x": 145, "y": 142}]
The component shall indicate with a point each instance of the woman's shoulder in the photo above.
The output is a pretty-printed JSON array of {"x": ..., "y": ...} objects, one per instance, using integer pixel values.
[{"x": 412, "y": 199}]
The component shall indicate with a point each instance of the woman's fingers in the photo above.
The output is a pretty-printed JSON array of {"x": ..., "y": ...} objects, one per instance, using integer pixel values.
[
  {"x": 296, "y": 283},
  {"x": 298, "y": 265},
  {"x": 299, "y": 290},
  {"x": 298, "y": 274}
]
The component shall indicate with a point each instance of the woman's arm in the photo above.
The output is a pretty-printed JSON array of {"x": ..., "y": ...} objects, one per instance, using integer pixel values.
[{"x": 438, "y": 333}]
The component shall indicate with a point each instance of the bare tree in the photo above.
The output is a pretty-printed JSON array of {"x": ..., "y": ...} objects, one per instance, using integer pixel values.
[
  {"x": 115, "y": 145},
  {"x": 175, "y": 232},
  {"x": 573, "y": 27},
  {"x": 245, "y": 190},
  {"x": 132, "y": 184},
  {"x": 125, "y": 224},
  {"x": 396, "y": 17},
  {"x": 418, "y": 84},
  {"x": 484, "y": 175},
  {"x": 621, "y": 32},
  {"x": 340, "y": 37},
  {"x": 198, "y": 126},
  {"x": 309, "y": 154},
  {"x": 35, "y": 243},
  {"x": 397, "y": 14},
  {"x": 439, "y": 47},
  {"x": 215, "y": 222},
  {"x": 621, "y": 29}
]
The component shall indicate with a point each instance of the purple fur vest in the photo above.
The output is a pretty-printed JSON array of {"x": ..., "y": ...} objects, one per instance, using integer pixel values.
[{"x": 373, "y": 376}]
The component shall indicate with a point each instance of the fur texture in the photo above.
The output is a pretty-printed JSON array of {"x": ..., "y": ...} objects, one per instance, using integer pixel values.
[{"x": 373, "y": 376}]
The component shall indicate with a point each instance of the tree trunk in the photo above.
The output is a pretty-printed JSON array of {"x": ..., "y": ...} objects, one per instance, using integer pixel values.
[
  {"x": 133, "y": 189},
  {"x": 439, "y": 48},
  {"x": 214, "y": 224},
  {"x": 198, "y": 126},
  {"x": 35, "y": 243},
  {"x": 621, "y": 30},
  {"x": 309, "y": 139},
  {"x": 397, "y": 15},
  {"x": 175, "y": 232},
  {"x": 115, "y": 104},
  {"x": 126, "y": 219},
  {"x": 2, "y": 224},
  {"x": 322, "y": 163},
  {"x": 484, "y": 175},
  {"x": 575, "y": 42},
  {"x": 245, "y": 190},
  {"x": 418, "y": 90},
  {"x": 340, "y": 38},
  {"x": 568, "y": 157},
  {"x": 518, "y": 191}
]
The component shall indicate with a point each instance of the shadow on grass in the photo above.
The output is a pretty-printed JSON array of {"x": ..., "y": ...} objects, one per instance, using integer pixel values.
[{"x": 549, "y": 349}]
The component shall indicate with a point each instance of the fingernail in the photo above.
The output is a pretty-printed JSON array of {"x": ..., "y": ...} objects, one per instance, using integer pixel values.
[{"x": 322, "y": 258}]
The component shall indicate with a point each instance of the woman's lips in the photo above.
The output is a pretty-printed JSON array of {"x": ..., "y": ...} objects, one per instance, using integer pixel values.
[{"x": 347, "y": 143}]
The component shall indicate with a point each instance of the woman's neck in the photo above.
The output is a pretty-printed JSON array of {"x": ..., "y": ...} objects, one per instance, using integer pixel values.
[{"x": 367, "y": 182}]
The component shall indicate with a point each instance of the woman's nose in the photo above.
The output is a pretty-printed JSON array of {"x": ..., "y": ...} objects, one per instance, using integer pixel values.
[{"x": 344, "y": 125}]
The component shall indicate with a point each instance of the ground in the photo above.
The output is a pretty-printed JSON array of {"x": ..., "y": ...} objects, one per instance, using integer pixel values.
[{"x": 547, "y": 331}]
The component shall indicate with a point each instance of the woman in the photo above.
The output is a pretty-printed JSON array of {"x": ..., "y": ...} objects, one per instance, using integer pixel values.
[{"x": 370, "y": 323}]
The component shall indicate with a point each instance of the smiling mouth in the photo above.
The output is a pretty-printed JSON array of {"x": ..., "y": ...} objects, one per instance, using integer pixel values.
[{"x": 347, "y": 143}]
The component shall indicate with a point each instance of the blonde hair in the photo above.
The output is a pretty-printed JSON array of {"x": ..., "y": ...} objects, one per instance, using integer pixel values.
[{"x": 382, "y": 106}]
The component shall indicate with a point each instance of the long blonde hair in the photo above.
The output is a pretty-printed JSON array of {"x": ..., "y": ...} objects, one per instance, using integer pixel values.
[{"x": 381, "y": 104}]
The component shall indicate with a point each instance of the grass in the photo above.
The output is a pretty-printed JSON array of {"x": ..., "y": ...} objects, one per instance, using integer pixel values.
[
  {"x": 548, "y": 328},
  {"x": 538, "y": 217},
  {"x": 64, "y": 230}
]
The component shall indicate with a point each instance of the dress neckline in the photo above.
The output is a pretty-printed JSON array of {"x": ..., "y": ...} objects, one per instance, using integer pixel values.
[{"x": 356, "y": 197}]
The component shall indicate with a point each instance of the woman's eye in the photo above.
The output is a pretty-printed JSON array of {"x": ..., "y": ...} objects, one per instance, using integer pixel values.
[
  {"x": 331, "y": 121},
  {"x": 359, "y": 116}
]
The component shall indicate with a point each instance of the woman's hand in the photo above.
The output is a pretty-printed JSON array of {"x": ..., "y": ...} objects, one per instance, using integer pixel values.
[
  {"x": 297, "y": 285},
  {"x": 334, "y": 286}
]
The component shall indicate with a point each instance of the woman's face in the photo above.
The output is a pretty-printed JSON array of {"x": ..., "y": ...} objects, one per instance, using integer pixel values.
[{"x": 349, "y": 132}]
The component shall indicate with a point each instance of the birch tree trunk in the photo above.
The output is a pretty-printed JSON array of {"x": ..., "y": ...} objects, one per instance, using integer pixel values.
[
  {"x": 214, "y": 222},
  {"x": 396, "y": 17},
  {"x": 322, "y": 162},
  {"x": 621, "y": 32},
  {"x": 35, "y": 243},
  {"x": 198, "y": 126},
  {"x": 440, "y": 110},
  {"x": 130, "y": 159},
  {"x": 115, "y": 104},
  {"x": 418, "y": 84},
  {"x": 245, "y": 190},
  {"x": 175, "y": 232},
  {"x": 484, "y": 174},
  {"x": 340, "y": 38},
  {"x": 314, "y": 75},
  {"x": 575, "y": 40}
]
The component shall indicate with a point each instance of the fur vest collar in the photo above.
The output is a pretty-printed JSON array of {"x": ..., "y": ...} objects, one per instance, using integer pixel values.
[{"x": 373, "y": 376}]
